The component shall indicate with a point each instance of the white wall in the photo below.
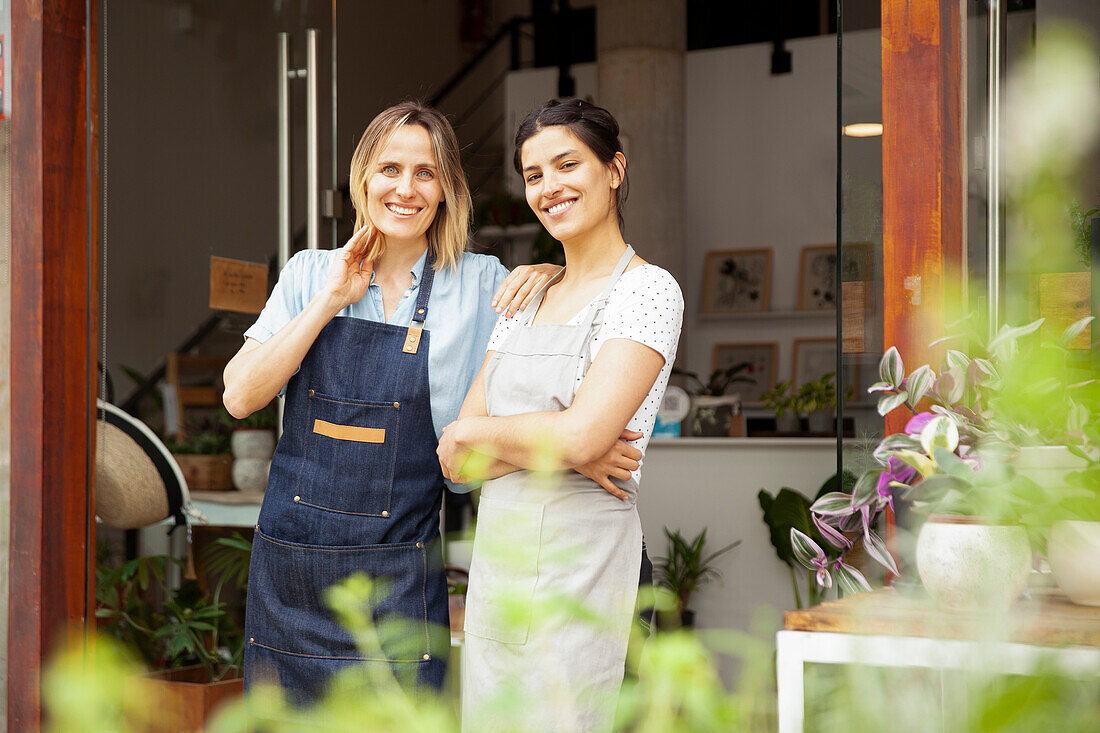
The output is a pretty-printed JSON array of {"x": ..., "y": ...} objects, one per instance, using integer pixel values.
[{"x": 692, "y": 483}]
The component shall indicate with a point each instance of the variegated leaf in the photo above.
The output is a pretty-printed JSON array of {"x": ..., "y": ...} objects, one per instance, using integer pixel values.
[
  {"x": 920, "y": 381},
  {"x": 891, "y": 369}
]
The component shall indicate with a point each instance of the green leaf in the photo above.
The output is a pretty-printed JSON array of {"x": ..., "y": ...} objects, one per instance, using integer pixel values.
[
  {"x": 866, "y": 489},
  {"x": 957, "y": 360},
  {"x": 920, "y": 381},
  {"x": 891, "y": 369},
  {"x": 789, "y": 509},
  {"x": 836, "y": 503},
  {"x": 952, "y": 465},
  {"x": 876, "y": 548},
  {"x": 1075, "y": 329},
  {"x": 887, "y": 403},
  {"x": 806, "y": 550},
  {"x": 940, "y": 431},
  {"x": 850, "y": 580}
]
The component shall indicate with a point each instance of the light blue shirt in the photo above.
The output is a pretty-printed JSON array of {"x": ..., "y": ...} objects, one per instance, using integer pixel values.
[{"x": 460, "y": 317}]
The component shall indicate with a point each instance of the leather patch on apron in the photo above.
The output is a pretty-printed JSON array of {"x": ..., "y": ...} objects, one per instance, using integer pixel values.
[
  {"x": 349, "y": 432},
  {"x": 412, "y": 339}
]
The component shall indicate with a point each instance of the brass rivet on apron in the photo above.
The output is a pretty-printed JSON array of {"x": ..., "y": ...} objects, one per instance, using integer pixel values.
[
  {"x": 419, "y": 544},
  {"x": 397, "y": 405},
  {"x": 385, "y": 514},
  {"x": 420, "y": 310},
  {"x": 412, "y": 338},
  {"x": 311, "y": 393},
  {"x": 427, "y": 657},
  {"x": 251, "y": 640},
  {"x": 297, "y": 498}
]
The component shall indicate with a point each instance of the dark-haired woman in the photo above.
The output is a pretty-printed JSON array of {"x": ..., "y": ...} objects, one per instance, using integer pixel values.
[{"x": 555, "y": 568}]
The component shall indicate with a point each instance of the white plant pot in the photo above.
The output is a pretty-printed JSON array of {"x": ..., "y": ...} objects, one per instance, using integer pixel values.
[
  {"x": 1073, "y": 550},
  {"x": 788, "y": 423},
  {"x": 821, "y": 421},
  {"x": 1047, "y": 465},
  {"x": 966, "y": 565},
  {"x": 250, "y": 474},
  {"x": 252, "y": 443}
]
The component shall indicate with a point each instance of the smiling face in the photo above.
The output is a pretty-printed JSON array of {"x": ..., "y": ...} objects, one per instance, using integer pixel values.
[
  {"x": 403, "y": 187},
  {"x": 566, "y": 185}
]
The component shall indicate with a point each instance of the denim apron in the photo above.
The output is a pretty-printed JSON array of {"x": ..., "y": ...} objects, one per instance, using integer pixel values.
[
  {"x": 355, "y": 487},
  {"x": 554, "y": 572}
]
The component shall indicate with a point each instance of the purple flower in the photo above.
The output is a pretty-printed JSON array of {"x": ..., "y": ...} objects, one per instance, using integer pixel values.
[{"x": 917, "y": 422}]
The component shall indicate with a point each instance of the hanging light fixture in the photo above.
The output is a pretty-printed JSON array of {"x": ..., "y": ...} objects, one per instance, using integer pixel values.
[{"x": 863, "y": 129}]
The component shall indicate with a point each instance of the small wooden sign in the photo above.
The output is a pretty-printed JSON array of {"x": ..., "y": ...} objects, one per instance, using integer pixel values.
[{"x": 236, "y": 285}]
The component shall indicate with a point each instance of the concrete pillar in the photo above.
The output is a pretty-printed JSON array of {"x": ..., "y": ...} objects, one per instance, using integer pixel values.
[{"x": 640, "y": 59}]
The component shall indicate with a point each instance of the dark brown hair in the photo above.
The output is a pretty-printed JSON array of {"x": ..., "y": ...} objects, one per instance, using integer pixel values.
[{"x": 593, "y": 125}]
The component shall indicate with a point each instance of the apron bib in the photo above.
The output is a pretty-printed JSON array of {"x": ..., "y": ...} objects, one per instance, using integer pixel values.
[
  {"x": 542, "y": 546},
  {"x": 355, "y": 487}
]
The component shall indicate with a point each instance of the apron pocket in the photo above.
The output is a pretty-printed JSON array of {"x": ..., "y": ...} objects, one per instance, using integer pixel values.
[
  {"x": 504, "y": 570},
  {"x": 288, "y": 612},
  {"x": 351, "y": 447}
]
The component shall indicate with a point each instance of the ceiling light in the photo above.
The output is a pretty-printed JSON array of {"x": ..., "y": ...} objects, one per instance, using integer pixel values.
[{"x": 863, "y": 129}]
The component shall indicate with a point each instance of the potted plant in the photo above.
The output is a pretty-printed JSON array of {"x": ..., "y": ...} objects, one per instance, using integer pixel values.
[
  {"x": 253, "y": 444},
  {"x": 790, "y": 509},
  {"x": 685, "y": 568},
  {"x": 186, "y": 636},
  {"x": 782, "y": 400},
  {"x": 954, "y": 462},
  {"x": 205, "y": 460},
  {"x": 712, "y": 410},
  {"x": 818, "y": 399}
]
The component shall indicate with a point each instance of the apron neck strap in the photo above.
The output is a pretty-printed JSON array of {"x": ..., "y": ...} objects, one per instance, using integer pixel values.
[
  {"x": 620, "y": 268},
  {"x": 426, "y": 279}
]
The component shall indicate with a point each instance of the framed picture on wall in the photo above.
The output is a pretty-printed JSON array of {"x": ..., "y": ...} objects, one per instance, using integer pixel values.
[
  {"x": 813, "y": 359},
  {"x": 817, "y": 273},
  {"x": 761, "y": 357},
  {"x": 737, "y": 281}
]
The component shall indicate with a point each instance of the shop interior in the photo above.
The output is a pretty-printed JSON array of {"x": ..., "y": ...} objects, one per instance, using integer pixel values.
[{"x": 755, "y": 135}]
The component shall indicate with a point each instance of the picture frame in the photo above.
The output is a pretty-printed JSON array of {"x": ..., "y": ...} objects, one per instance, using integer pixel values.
[
  {"x": 817, "y": 288},
  {"x": 762, "y": 358},
  {"x": 737, "y": 281},
  {"x": 813, "y": 359}
]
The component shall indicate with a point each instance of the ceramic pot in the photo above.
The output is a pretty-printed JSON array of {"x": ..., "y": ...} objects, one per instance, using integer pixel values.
[
  {"x": 821, "y": 421},
  {"x": 252, "y": 443},
  {"x": 1047, "y": 465},
  {"x": 250, "y": 474},
  {"x": 967, "y": 564},
  {"x": 788, "y": 423},
  {"x": 1073, "y": 549}
]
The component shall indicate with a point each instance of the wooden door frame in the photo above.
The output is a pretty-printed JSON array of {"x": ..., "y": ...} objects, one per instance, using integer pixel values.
[
  {"x": 923, "y": 177},
  {"x": 53, "y": 322}
]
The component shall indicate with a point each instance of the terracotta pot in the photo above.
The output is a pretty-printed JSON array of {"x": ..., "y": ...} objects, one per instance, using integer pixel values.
[
  {"x": 206, "y": 472},
  {"x": 1073, "y": 549},
  {"x": 967, "y": 564},
  {"x": 190, "y": 699}
]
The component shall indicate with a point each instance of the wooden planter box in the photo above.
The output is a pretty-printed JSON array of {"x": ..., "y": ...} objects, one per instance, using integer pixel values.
[
  {"x": 206, "y": 472},
  {"x": 190, "y": 699}
]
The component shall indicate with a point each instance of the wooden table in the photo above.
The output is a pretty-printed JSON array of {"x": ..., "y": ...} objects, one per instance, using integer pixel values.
[{"x": 887, "y": 629}]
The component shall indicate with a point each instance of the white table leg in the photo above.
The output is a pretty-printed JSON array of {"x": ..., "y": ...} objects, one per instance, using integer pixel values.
[{"x": 789, "y": 668}]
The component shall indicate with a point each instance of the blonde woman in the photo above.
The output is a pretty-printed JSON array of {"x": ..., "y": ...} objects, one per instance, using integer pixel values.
[{"x": 375, "y": 344}]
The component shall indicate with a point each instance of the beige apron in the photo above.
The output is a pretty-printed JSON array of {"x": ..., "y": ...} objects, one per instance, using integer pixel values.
[{"x": 554, "y": 574}]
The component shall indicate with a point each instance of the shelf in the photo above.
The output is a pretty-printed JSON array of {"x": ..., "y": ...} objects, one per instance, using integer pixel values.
[{"x": 786, "y": 315}]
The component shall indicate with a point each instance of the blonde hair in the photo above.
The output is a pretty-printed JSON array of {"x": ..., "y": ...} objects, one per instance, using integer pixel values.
[{"x": 447, "y": 232}]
